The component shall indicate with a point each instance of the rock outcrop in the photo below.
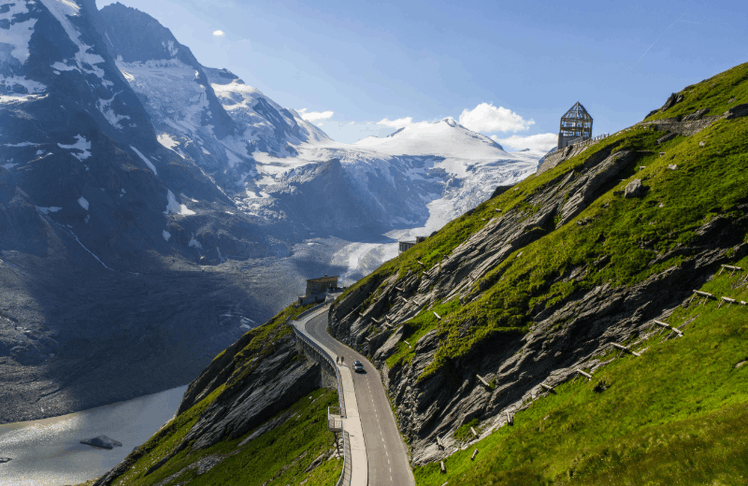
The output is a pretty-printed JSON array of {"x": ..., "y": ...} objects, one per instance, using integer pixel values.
[{"x": 103, "y": 442}]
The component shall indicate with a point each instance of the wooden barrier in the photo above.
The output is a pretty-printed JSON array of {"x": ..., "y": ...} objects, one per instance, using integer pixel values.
[
  {"x": 473, "y": 431},
  {"x": 475, "y": 453},
  {"x": 443, "y": 467},
  {"x": 668, "y": 326},
  {"x": 625, "y": 348},
  {"x": 729, "y": 267},
  {"x": 409, "y": 346},
  {"x": 728, "y": 300},
  {"x": 587, "y": 375},
  {"x": 704, "y": 294},
  {"x": 485, "y": 383},
  {"x": 547, "y": 387},
  {"x": 439, "y": 442},
  {"x": 437, "y": 316}
]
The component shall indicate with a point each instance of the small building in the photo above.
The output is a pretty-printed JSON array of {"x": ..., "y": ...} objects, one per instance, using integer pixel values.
[
  {"x": 408, "y": 244},
  {"x": 317, "y": 288},
  {"x": 576, "y": 125}
]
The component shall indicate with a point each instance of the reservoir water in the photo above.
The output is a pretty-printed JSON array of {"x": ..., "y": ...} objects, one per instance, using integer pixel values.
[{"x": 48, "y": 452}]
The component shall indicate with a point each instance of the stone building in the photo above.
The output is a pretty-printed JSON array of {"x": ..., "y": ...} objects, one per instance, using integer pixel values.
[
  {"x": 317, "y": 288},
  {"x": 576, "y": 125},
  {"x": 408, "y": 244}
]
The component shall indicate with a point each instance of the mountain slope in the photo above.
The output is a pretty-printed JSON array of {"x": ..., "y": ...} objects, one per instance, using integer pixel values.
[
  {"x": 100, "y": 225},
  {"x": 542, "y": 278}
]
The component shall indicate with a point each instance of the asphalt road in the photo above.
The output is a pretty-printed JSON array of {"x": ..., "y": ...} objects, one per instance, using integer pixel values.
[{"x": 386, "y": 454}]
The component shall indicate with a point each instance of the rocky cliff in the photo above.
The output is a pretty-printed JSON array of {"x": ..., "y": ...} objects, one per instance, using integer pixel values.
[{"x": 256, "y": 414}]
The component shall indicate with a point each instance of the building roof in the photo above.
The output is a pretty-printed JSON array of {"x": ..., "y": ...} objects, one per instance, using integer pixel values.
[
  {"x": 578, "y": 112},
  {"x": 322, "y": 278}
]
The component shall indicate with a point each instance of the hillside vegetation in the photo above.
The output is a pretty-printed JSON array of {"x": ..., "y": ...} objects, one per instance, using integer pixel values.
[
  {"x": 675, "y": 415},
  {"x": 292, "y": 446},
  {"x": 543, "y": 279}
]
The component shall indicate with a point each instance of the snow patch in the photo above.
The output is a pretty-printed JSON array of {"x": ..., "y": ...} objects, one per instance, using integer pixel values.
[
  {"x": 173, "y": 207},
  {"x": 9, "y": 84},
  {"x": 62, "y": 10},
  {"x": 47, "y": 210},
  {"x": 145, "y": 159},
  {"x": 105, "y": 108},
  {"x": 169, "y": 46},
  {"x": 8, "y": 166},
  {"x": 194, "y": 243},
  {"x": 82, "y": 145},
  {"x": 82, "y": 201},
  {"x": 166, "y": 235},
  {"x": 22, "y": 144},
  {"x": 167, "y": 141},
  {"x": 18, "y": 34}
]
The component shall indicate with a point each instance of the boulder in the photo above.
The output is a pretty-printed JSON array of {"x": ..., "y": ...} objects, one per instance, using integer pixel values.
[
  {"x": 696, "y": 115},
  {"x": 634, "y": 189},
  {"x": 673, "y": 99},
  {"x": 666, "y": 138},
  {"x": 102, "y": 441},
  {"x": 5, "y": 459},
  {"x": 737, "y": 111}
]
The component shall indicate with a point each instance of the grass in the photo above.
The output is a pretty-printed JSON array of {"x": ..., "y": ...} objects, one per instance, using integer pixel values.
[
  {"x": 283, "y": 454},
  {"x": 296, "y": 443},
  {"x": 717, "y": 93},
  {"x": 614, "y": 241},
  {"x": 675, "y": 415}
]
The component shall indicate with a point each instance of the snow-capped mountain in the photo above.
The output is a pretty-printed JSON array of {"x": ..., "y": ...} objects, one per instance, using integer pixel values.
[
  {"x": 445, "y": 138},
  {"x": 154, "y": 207},
  {"x": 207, "y": 115}
]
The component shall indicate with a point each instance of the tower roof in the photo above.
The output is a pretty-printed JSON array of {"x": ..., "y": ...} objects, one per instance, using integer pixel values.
[{"x": 577, "y": 112}]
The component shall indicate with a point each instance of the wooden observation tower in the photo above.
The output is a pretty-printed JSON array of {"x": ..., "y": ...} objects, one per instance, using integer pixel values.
[{"x": 576, "y": 125}]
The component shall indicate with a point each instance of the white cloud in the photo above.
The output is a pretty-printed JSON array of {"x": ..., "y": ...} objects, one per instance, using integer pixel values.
[
  {"x": 541, "y": 141},
  {"x": 218, "y": 33},
  {"x": 488, "y": 118},
  {"x": 399, "y": 123},
  {"x": 402, "y": 122},
  {"x": 313, "y": 116}
]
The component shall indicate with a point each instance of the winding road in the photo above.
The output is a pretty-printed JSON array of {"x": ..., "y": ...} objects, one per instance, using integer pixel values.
[{"x": 386, "y": 456}]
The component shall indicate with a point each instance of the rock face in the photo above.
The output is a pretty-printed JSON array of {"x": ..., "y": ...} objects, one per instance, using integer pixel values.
[
  {"x": 254, "y": 378},
  {"x": 102, "y": 441},
  {"x": 569, "y": 333}
]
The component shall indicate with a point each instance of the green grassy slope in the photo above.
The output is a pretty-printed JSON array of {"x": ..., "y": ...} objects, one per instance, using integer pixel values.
[
  {"x": 718, "y": 93},
  {"x": 283, "y": 453},
  {"x": 676, "y": 415},
  {"x": 615, "y": 240}
]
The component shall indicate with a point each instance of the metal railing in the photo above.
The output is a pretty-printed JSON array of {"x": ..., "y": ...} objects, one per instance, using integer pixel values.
[{"x": 345, "y": 474}]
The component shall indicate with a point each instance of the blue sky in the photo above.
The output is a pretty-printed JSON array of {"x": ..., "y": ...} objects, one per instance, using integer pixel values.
[{"x": 506, "y": 69}]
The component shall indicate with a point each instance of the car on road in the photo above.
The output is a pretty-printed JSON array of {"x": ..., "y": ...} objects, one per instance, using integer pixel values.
[{"x": 358, "y": 367}]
